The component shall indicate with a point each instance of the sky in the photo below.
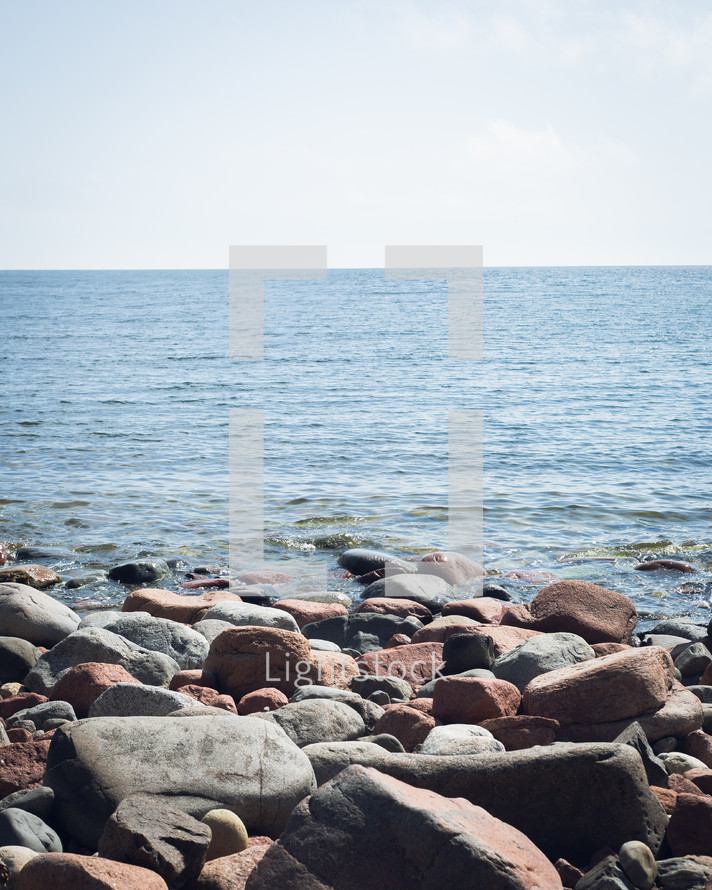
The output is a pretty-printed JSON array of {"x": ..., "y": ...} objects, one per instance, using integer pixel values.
[{"x": 156, "y": 133}]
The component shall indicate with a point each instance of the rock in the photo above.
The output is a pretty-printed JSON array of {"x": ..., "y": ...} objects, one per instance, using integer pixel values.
[
  {"x": 614, "y": 687},
  {"x": 495, "y": 591},
  {"x": 693, "y": 660},
  {"x": 152, "y": 833},
  {"x": 365, "y": 632},
  {"x": 211, "y": 629},
  {"x": 503, "y": 638},
  {"x": 18, "y": 828},
  {"x": 368, "y": 711},
  {"x": 410, "y": 726},
  {"x": 401, "y": 608},
  {"x": 426, "y": 690},
  {"x": 255, "y": 769},
  {"x": 360, "y": 561},
  {"x": 684, "y": 873},
  {"x": 317, "y": 720},
  {"x": 522, "y": 731},
  {"x": 460, "y": 739},
  {"x": 17, "y": 656},
  {"x": 634, "y": 736},
  {"x": 483, "y": 608},
  {"x": 210, "y": 697},
  {"x": 395, "y": 640},
  {"x": 22, "y": 766},
  {"x": 323, "y": 646},
  {"x": 429, "y": 590},
  {"x": 366, "y": 810},
  {"x": 139, "y": 571},
  {"x": 702, "y": 778},
  {"x": 84, "y": 683},
  {"x": 3, "y": 554},
  {"x": 568, "y": 873},
  {"x": 579, "y": 607},
  {"x": 98, "y": 645},
  {"x": 471, "y": 700},
  {"x": 679, "y": 627},
  {"x": 416, "y": 663},
  {"x": 12, "y": 861},
  {"x": 444, "y": 627},
  {"x": 184, "y": 645},
  {"x": 37, "y": 801},
  {"x": 67, "y": 871},
  {"x": 672, "y": 565},
  {"x": 330, "y": 596},
  {"x": 455, "y": 568},
  {"x": 34, "y": 616},
  {"x": 570, "y": 800},
  {"x": 677, "y": 762},
  {"x": 85, "y": 580},
  {"x": 690, "y": 828},
  {"x": 38, "y": 577},
  {"x": 230, "y": 872},
  {"x": 540, "y": 655},
  {"x": 228, "y": 831},
  {"x": 193, "y": 678},
  {"x": 21, "y": 701},
  {"x": 166, "y": 604},
  {"x": 131, "y": 700},
  {"x": 263, "y": 577},
  {"x": 637, "y": 861},
  {"x": 44, "y": 712},
  {"x": 261, "y": 700},
  {"x": 30, "y": 553},
  {"x": 245, "y": 614},
  {"x": 305, "y": 612},
  {"x": 365, "y": 685},
  {"x": 605, "y": 875},
  {"x": 601, "y": 649},
  {"x": 698, "y": 744}
]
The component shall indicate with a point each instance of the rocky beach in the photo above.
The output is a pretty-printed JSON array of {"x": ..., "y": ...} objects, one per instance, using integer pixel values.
[{"x": 423, "y": 729}]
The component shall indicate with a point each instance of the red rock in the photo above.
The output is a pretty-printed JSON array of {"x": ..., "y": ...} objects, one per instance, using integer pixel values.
[
  {"x": 247, "y": 658},
  {"x": 666, "y": 797},
  {"x": 614, "y": 687},
  {"x": 706, "y": 678},
  {"x": 680, "y": 784},
  {"x": 416, "y": 663},
  {"x": 38, "y": 577},
  {"x": 408, "y": 725},
  {"x": 594, "y": 613},
  {"x": 266, "y": 577},
  {"x": 690, "y": 828},
  {"x": 602, "y": 649},
  {"x": 522, "y": 731},
  {"x": 702, "y": 778},
  {"x": 455, "y": 568},
  {"x": 259, "y": 840},
  {"x": 206, "y": 584},
  {"x": 18, "y": 734},
  {"x": 441, "y": 629},
  {"x": 333, "y": 669},
  {"x": 424, "y": 705},
  {"x": 402, "y": 608},
  {"x": 698, "y": 744},
  {"x": 185, "y": 609},
  {"x": 230, "y": 872},
  {"x": 22, "y": 765},
  {"x": 14, "y": 703},
  {"x": 261, "y": 700},
  {"x": 67, "y": 871},
  {"x": 84, "y": 683},
  {"x": 484, "y": 609},
  {"x": 398, "y": 640},
  {"x": 193, "y": 678},
  {"x": 305, "y": 612},
  {"x": 569, "y": 874},
  {"x": 210, "y": 697},
  {"x": 471, "y": 699}
]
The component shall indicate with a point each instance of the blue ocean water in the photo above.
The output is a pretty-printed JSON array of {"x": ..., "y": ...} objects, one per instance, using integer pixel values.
[{"x": 116, "y": 391}]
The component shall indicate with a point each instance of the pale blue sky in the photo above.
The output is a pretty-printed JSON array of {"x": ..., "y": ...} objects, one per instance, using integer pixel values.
[{"x": 153, "y": 134}]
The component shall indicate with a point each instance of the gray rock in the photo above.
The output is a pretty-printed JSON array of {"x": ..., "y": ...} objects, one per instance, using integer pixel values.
[
  {"x": 426, "y": 690},
  {"x": 18, "y": 828},
  {"x": 431, "y": 591},
  {"x": 684, "y": 873},
  {"x": 455, "y": 568},
  {"x": 97, "y": 644},
  {"x": 368, "y": 711},
  {"x": 495, "y": 591},
  {"x": 332, "y": 596},
  {"x": 459, "y": 739},
  {"x": 541, "y": 654},
  {"x": 678, "y": 627},
  {"x": 37, "y": 801},
  {"x": 40, "y": 714},
  {"x": 32, "y": 554},
  {"x": 187, "y": 647},
  {"x": 387, "y": 741},
  {"x": 152, "y": 833},
  {"x": 4, "y": 738},
  {"x": 693, "y": 659},
  {"x": 637, "y": 861},
  {"x": 465, "y": 652},
  {"x": 667, "y": 641},
  {"x": 34, "y": 616},
  {"x": 86, "y": 580},
  {"x": 380, "y": 697},
  {"x": 635, "y": 737},
  {"x": 202, "y": 763},
  {"x": 139, "y": 571},
  {"x": 366, "y": 684},
  {"x": 364, "y": 631},
  {"x": 316, "y": 719},
  {"x": 12, "y": 860},
  {"x": 665, "y": 745},
  {"x": 361, "y": 561},
  {"x": 238, "y": 614},
  {"x": 569, "y": 799},
  {"x": 17, "y": 657},
  {"x": 324, "y": 646},
  {"x": 677, "y": 762},
  {"x": 391, "y": 835},
  {"x": 704, "y": 693},
  {"x": 607, "y": 875},
  {"x": 132, "y": 700},
  {"x": 211, "y": 629}
]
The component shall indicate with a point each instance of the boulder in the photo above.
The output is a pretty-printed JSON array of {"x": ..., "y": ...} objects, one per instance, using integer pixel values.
[
  {"x": 18, "y": 828},
  {"x": 228, "y": 831},
  {"x": 416, "y": 663},
  {"x": 365, "y": 631},
  {"x": 317, "y": 719},
  {"x": 13, "y": 859},
  {"x": 579, "y": 607},
  {"x": 368, "y": 711},
  {"x": 249, "y": 615},
  {"x": 365, "y": 685},
  {"x": 254, "y": 769},
  {"x": 305, "y": 612},
  {"x": 139, "y": 571},
  {"x": 407, "y": 724},
  {"x": 137, "y": 700},
  {"x": 402, "y": 608},
  {"x": 539, "y": 655},
  {"x": 444, "y": 627},
  {"x": 693, "y": 660},
  {"x": 690, "y": 828},
  {"x": 34, "y": 616},
  {"x": 98, "y": 645},
  {"x": 68, "y": 871},
  {"x": 22, "y": 765},
  {"x": 472, "y": 700},
  {"x": 153, "y": 833},
  {"x": 230, "y": 872},
  {"x": 361, "y": 561},
  {"x": 211, "y": 629},
  {"x": 455, "y": 568},
  {"x": 167, "y": 604},
  {"x": 366, "y": 811},
  {"x": 483, "y": 608},
  {"x": 460, "y": 739},
  {"x": 605, "y": 875},
  {"x": 17, "y": 657},
  {"x": 84, "y": 683},
  {"x": 39, "y": 577},
  {"x": 261, "y": 700},
  {"x": 684, "y": 873},
  {"x": 429, "y": 590},
  {"x": 522, "y": 731}
]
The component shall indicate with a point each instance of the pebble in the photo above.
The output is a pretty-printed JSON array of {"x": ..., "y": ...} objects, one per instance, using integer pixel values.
[{"x": 228, "y": 833}]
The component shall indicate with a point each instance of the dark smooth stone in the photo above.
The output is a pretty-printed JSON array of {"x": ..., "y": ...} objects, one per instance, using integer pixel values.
[{"x": 671, "y": 565}]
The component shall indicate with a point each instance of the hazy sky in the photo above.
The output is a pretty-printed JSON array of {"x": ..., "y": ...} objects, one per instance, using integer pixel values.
[{"x": 154, "y": 133}]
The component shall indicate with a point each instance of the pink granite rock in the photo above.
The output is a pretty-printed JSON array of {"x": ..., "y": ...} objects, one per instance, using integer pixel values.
[{"x": 472, "y": 700}]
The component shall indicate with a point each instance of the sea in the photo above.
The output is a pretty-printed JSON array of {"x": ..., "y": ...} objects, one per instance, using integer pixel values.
[{"x": 594, "y": 392}]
